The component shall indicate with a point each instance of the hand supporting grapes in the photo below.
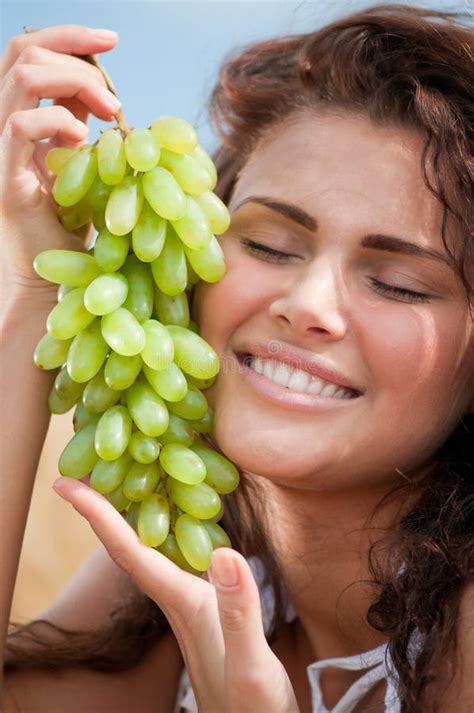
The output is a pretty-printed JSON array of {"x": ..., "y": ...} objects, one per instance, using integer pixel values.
[
  {"x": 219, "y": 628},
  {"x": 36, "y": 66}
]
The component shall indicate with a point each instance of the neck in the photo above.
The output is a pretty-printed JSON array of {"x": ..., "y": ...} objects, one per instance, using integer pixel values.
[{"x": 322, "y": 542}]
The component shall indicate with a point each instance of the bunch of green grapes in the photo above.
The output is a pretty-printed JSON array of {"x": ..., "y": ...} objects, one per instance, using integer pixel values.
[{"x": 130, "y": 360}]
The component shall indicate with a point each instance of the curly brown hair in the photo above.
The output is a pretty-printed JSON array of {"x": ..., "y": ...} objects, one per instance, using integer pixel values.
[{"x": 399, "y": 66}]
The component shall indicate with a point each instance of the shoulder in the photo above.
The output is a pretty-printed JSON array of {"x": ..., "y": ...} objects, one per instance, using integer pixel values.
[{"x": 150, "y": 687}]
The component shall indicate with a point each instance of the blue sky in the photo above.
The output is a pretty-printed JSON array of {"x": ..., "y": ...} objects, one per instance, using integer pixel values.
[{"x": 169, "y": 52}]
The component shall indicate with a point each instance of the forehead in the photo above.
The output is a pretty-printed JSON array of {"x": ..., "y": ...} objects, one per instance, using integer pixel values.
[{"x": 368, "y": 172}]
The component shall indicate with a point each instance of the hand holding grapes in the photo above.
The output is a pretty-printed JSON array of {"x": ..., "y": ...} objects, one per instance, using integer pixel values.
[
  {"x": 37, "y": 66},
  {"x": 219, "y": 630}
]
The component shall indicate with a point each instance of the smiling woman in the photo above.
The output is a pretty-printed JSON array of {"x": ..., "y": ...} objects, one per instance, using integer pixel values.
[{"x": 346, "y": 162}]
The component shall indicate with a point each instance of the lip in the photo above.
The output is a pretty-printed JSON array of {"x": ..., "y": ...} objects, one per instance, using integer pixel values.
[
  {"x": 282, "y": 396},
  {"x": 299, "y": 359}
]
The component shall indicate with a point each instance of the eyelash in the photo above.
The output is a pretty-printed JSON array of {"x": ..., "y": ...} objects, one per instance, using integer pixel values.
[{"x": 277, "y": 256}]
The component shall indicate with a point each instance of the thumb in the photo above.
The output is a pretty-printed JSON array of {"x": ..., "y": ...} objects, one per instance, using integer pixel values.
[{"x": 239, "y": 612}]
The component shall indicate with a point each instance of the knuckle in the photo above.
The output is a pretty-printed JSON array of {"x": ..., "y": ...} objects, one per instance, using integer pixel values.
[
  {"x": 21, "y": 76},
  {"x": 30, "y": 55},
  {"x": 121, "y": 559},
  {"x": 15, "y": 124},
  {"x": 234, "y": 618},
  {"x": 15, "y": 45}
]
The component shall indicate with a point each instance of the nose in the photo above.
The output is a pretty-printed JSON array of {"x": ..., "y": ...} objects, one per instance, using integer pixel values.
[{"x": 311, "y": 302}]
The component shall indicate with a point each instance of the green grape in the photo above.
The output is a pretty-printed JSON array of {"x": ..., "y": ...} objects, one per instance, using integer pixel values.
[
  {"x": 124, "y": 206},
  {"x": 218, "y": 535},
  {"x": 217, "y": 517},
  {"x": 106, "y": 293},
  {"x": 121, "y": 371},
  {"x": 79, "y": 457},
  {"x": 209, "y": 263},
  {"x": 158, "y": 352},
  {"x": 97, "y": 397},
  {"x": 148, "y": 236},
  {"x": 81, "y": 417},
  {"x": 194, "y": 542},
  {"x": 182, "y": 463},
  {"x": 66, "y": 388},
  {"x": 57, "y": 158},
  {"x": 113, "y": 433},
  {"x": 175, "y": 134},
  {"x": 108, "y": 475},
  {"x": 192, "y": 406},
  {"x": 141, "y": 480},
  {"x": 50, "y": 352},
  {"x": 123, "y": 333},
  {"x": 215, "y": 211},
  {"x": 170, "y": 549},
  {"x": 171, "y": 309},
  {"x": 147, "y": 409},
  {"x": 58, "y": 405},
  {"x": 206, "y": 423},
  {"x": 142, "y": 149},
  {"x": 111, "y": 159},
  {"x": 66, "y": 267},
  {"x": 142, "y": 448},
  {"x": 118, "y": 499},
  {"x": 132, "y": 513},
  {"x": 69, "y": 316},
  {"x": 201, "y": 155},
  {"x": 202, "y": 384},
  {"x": 87, "y": 353},
  {"x": 222, "y": 475},
  {"x": 190, "y": 173},
  {"x": 178, "y": 431},
  {"x": 140, "y": 288},
  {"x": 63, "y": 290},
  {"x": 194, "y": 327},
  {"x": 75, "y": 216},
  {"x": 193, "y": 278},
  {"x": 192, "y": 354},
  {"x": 169, "y": 383},
  {"x": 193, "y": 227},
  {"x": 98, "y": 221},
  {"x": 163, "y": 193},
  {"x": 98, "y": 195},
  {"x": 169, "y": 269},
  {"x": 76, "y": 176},
  {"x": 154, "y": 520},
  {"x": 110, "y": 251},
  {"x": 199, "y": 500}
]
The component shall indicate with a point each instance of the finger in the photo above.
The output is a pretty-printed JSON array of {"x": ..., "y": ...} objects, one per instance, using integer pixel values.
[
  {"x": 26, "y": 84},
  {"x": 155, "y": 574},
  {"x": 24, "y": 128},
  {"x": 67, "y": 39},
  {"x": 239, "y": 609}
]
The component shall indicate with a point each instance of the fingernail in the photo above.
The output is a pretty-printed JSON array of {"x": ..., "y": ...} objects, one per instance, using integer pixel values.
[
  {"x": 104, "y": 34},
  {"x": 110, "y": 98},
  {"x": 82, "y": 127},
  {"x": 56, "y": 486},
  {"x": 224, "y": 572}
]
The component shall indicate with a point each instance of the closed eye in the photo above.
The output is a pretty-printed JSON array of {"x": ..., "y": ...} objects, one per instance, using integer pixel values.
[
  {"x": 272, "y": 255},
  {"x": 265, "y": 252}
]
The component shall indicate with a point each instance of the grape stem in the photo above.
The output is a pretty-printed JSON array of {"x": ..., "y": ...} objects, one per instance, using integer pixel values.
[{"x": 91, "y": 59}]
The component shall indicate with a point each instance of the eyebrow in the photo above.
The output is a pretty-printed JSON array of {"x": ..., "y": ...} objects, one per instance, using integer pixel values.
[{"x": 375, "y": 241}]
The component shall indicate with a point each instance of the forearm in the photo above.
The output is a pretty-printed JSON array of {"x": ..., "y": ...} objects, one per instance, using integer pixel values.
[{"x": 24, "y": 422}]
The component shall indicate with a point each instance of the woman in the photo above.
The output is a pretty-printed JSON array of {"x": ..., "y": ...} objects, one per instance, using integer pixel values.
[{"x": 346, "y": 162}]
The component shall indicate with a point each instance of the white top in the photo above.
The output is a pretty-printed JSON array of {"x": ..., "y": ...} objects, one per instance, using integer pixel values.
[{"x": 377, "y": 660}]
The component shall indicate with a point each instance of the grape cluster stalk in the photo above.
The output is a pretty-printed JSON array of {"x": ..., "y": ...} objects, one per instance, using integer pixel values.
[{"x": 129, "y": 359}]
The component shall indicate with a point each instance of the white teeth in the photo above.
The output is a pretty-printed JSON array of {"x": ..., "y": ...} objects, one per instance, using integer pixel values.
[
  {"x": 297, "y": 379},
  {"x": 329, "y": 390}
]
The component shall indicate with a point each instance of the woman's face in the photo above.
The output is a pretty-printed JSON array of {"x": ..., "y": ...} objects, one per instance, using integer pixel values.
[{"x": 322, "y": 304}]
